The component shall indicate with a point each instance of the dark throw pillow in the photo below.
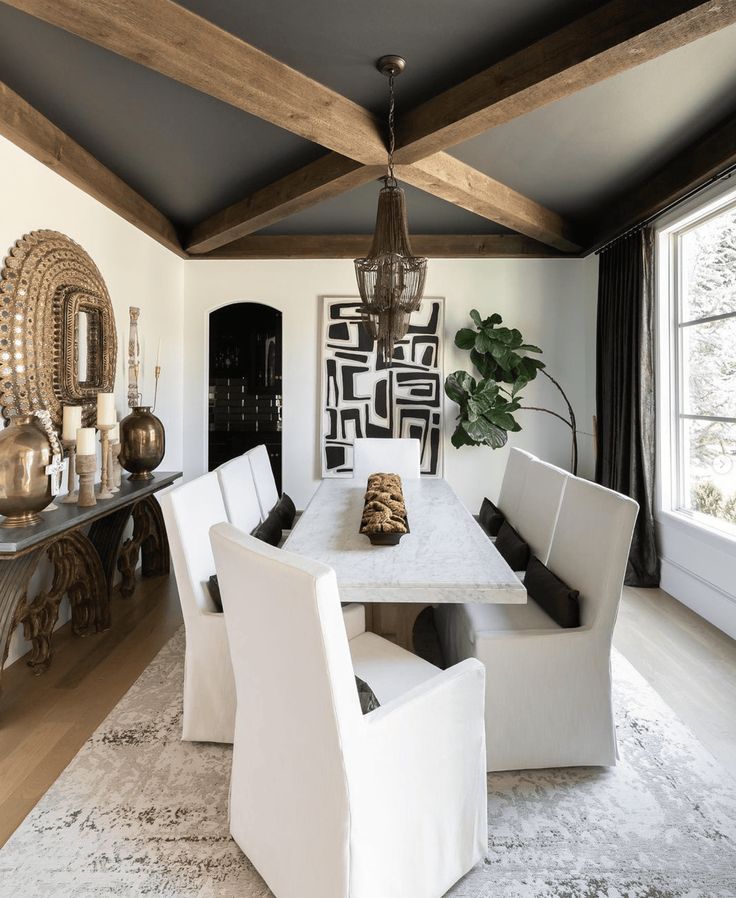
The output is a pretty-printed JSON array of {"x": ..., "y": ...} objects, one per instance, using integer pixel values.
[
  {"x": 286, "y": 511},
  {"x": 368, "y": 700},
  {"x": 214, "y": 589},
  {"x": 512, "y": 547},
  {"x": 552, "y": 594},
  {"x": 269, "y": 531},
  {"x": 490, "y": 518}
]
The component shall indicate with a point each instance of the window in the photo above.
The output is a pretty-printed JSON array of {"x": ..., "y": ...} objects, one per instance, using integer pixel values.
[{"x": 701, "y": 285}]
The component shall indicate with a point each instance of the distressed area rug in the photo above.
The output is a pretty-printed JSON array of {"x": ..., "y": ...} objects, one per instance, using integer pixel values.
[{"x": 139, "y": 813}]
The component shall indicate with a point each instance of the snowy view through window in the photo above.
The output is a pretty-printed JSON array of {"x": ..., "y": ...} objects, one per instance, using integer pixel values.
[{"x": 707, "y": 261}]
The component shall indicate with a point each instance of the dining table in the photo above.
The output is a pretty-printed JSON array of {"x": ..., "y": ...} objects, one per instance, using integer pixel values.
[{"x": 445, "y": 557}]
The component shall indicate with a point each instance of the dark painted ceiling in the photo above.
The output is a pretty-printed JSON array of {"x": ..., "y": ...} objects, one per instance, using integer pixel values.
[{"x": 191, "y": 154}]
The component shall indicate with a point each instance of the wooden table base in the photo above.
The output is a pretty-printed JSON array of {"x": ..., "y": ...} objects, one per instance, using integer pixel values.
[{"x": 394, "y": 620}]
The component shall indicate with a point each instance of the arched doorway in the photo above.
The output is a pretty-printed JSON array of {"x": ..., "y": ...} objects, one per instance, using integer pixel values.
[{"x": 244, "y": 383}]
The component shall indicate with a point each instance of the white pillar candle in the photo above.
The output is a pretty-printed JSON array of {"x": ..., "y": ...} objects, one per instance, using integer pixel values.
[
  {"x": 86, "y": 442},
  {"x": 115, "y": 434},
  {"x": 106, "y": 409},
  {"x": 71, "y": 422}
]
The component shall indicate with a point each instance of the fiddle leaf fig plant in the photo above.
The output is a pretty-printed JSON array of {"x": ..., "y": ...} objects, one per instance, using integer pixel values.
[
  {"x": 487, "y": 406},
  {"x": 499, "y": 352},
  {"x": 486, "y": 414}
]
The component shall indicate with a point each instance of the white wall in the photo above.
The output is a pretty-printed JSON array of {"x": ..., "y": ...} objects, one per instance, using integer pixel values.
[
  {"x": 551, "y": 301},
  {"x": 137, "y": 271}
]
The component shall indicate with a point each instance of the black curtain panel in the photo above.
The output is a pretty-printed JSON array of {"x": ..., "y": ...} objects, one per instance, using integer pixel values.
[{"x": 625, "y": 390}]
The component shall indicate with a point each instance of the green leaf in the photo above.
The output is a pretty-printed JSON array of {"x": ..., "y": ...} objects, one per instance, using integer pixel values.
[
  {"x": 458, "y": 385},
  {"x": 504, "y": 335},
  {"x": 516, "y": 338},
  {"x": 501, "y": 419},
  {"x": 504, "y": 361},
  {"x": 494, "y": 319},
  {"x": 460, "y": 438},
  {"x": 483, "y": 362},
  {"x": 529, "y": 347},
  {"x": 483, "y": 343},
  {"x": 484, "y": 432},
  {"x": 475, "y": 315},
  {"x": 465, "y": 338}
]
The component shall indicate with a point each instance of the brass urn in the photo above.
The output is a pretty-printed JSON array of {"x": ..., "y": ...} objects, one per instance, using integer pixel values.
[
  {"x": 142, "y": 443},
  {"x": 25, "y": 487}
]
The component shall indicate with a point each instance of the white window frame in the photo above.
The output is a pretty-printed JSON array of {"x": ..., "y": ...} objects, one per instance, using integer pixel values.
[{"x": 669, "y": 328}]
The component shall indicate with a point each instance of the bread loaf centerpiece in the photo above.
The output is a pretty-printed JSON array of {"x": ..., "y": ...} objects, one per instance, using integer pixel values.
[{"x": 384, "y": 519}]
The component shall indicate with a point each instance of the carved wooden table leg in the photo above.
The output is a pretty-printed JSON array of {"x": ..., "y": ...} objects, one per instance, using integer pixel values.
[
  {"x": 77, "y": 572},
  {"x": 106, "y": 534},
  {"x": 149, "y": 537},
  {"x": 15, "y": 577}
]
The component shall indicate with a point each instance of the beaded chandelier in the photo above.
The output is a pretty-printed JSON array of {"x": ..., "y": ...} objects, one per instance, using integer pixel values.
[{"x": 390, "y": 277}]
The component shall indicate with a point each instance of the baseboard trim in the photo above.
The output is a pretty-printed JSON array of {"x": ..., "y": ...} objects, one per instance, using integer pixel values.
[{"x": 703, "y": 597}]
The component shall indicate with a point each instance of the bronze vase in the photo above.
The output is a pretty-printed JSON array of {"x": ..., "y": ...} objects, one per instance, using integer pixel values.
[
  {"x": 25, "y": 487},
  {"x": 142, "y": 443}
]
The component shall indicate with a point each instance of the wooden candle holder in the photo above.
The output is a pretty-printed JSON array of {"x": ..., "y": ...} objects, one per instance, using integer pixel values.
[
  {"x": 105, "y": 491},
  {"x": 86, "y": 468},
  {"x": 71, "y": 478}
]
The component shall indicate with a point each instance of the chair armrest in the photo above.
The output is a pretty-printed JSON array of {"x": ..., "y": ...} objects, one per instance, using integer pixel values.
[
  {"x": 439, "y": 722},
  {"x": 354, "y": 616},
  {"x": 436, "y": 694},
  {"x": 420, "y": 780}
]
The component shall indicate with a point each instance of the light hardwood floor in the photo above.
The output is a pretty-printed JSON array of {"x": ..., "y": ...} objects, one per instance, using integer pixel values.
[
  {"x": 690, "y": 663},
  {"x": 45, "y": 720}
]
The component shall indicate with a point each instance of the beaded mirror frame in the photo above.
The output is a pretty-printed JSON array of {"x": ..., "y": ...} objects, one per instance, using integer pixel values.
[{"x": 47, "y": 286}]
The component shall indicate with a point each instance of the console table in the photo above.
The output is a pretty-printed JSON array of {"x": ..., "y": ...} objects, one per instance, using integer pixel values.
[{"x": 84, "y": 547}]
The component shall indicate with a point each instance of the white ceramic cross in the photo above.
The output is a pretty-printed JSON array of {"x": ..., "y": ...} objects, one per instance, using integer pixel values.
[{"x": 56, "y": 470}]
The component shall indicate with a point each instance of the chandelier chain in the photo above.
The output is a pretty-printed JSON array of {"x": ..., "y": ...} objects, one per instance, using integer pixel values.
[{"x": 391, "y": 180}]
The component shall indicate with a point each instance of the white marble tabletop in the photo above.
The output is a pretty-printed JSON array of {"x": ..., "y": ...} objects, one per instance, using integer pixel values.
[{"x": 445, "y": 558}]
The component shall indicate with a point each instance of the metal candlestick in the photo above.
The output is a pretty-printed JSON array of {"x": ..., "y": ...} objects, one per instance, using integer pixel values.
[
  {"x": 105, "y": 492},
  {"x": 71, "y": 478},
  {"x": 86, "y": 468},
  {"x": 112, "y": 467}
]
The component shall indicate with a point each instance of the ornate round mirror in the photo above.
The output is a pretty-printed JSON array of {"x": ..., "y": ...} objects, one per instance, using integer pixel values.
[{"x": 58, "y": 343}]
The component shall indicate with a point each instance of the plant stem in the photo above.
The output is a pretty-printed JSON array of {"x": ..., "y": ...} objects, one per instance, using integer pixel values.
[
  {"x": 573, "y": 423},
  {"x": 534, "y": 408}
]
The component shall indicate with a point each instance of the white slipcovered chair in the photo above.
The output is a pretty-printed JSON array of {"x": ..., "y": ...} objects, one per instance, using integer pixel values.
[
  {"x": 189, "y": 511},
  {"x": 325, "y": 801},
  {"x": 548, "y": 689},
  {"x": 512, "y": 484},
  {"x": 539, "y": 505},
  {"x": 209, "y": 689},
  {"x": 395, "y": 456},
  {"x": 260, "y": 465},
  {"x": 239, "y": 493}
]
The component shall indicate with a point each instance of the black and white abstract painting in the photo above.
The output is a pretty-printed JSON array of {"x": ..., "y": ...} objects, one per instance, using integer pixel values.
[{"x": 362, "y": 397}]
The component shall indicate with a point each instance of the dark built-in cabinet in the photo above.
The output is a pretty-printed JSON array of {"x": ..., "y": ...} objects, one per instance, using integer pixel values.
[{"x": 245, "y": 383}]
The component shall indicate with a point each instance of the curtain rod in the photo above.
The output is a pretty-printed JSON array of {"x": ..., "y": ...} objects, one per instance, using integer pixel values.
[{"x": 634, "y": 229}]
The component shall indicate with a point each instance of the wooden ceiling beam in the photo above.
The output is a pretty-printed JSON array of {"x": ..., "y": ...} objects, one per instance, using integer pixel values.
[
  {"x": 609, "y": 40},
  {"x": 24, "y": 126},
  {"x": 688, "y": 171},
  {"x": 450, "y": 179},
  {"x": 328, "y": 176},
  {"x": 175, "y": 42},
  {"x": 352, "y": 246}
]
